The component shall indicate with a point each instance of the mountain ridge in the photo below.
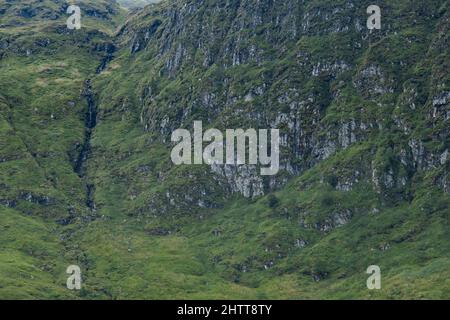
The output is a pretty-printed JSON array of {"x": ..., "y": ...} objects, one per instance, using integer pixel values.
[{"x": 365, "y": 168}]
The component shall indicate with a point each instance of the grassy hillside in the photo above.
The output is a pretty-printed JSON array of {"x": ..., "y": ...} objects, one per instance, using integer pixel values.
[
  {"x": 364, "y": 167},
  {"x": 43, "y": 69}
]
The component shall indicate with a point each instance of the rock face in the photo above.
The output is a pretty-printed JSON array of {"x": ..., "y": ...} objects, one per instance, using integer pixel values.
[
  {"x": 86, "y": 118},
  {"x": 297, "y": 67}
]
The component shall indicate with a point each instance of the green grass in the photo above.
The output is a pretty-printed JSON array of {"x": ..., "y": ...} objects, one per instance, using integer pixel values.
[{"x": 165, "y": 232}]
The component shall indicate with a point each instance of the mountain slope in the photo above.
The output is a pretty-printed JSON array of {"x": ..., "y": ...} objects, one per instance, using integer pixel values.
[
  {"x": 43, "y": 67},
  {"x": 364, "y": 165}
]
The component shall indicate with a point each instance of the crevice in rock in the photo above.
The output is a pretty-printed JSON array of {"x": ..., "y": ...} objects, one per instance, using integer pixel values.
[
  {"x": 110, "y": 50},
  {"x": 90, "y": 123}
]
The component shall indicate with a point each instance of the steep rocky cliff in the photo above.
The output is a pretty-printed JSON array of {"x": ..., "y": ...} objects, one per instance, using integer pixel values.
[{"x": 365, "y": 168}]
